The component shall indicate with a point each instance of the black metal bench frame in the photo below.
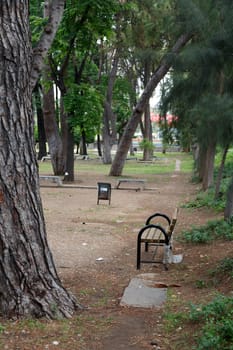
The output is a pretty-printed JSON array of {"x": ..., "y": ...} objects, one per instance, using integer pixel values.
[{"x": 156, "y": 235}]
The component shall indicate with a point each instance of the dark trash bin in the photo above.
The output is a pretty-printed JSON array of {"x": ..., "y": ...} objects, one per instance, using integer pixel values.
[{"x": 104, "y": 191}]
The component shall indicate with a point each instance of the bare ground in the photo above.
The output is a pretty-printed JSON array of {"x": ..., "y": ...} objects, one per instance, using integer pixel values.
[{"x": 94, "y": 247}]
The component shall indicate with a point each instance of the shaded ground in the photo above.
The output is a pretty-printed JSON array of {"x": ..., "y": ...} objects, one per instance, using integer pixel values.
[{"x": 94, "y": 247}]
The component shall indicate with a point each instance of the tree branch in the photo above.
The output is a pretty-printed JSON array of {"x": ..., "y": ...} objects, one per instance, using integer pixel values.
[
  {"x": 158, "y": 75},
  {"x": 78, "y": 26},
  {"x": 56, "y": 9}
]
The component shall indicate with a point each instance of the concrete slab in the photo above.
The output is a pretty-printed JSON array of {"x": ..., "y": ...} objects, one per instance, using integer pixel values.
[{"x": 144, "y": 291}]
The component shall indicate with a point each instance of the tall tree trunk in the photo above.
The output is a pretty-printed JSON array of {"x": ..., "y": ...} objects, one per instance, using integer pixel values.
[
  {"x": 196, "y": 154},
  {"x": 54, "y": 9},
  {"x": 109, "y": 119},
  {"x": 83, "y": 142},
  {"x": 64, "y": 129},
  {"x": 99, "y": 146},
  {"x": 147, "y": 135},
  {"x": 119, "y": 160},
  {"x": 200, "y": 161},
  {"x": 68, "y": 145},
  {"x": 29, "y": 284},
  {"x": 228, "y": 212},
  {"x": 40, "y": 124},
  {"x": 52, "y": 132},
  {"x": 70, "y": 156},
  {"x": 107, "y": 145},
  {"x": 147, "y": 151},
  {"x": 50, "y": 122},
  {"x": 220, "y": 172},
  {"x": 208, "y": 176}
]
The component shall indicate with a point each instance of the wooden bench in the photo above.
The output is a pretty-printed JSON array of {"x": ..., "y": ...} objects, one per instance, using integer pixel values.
[
  {"x": 154, "y": 234},
  {"x": 53, "y": 178},
  {"x": 140, "y": 181},
  {"x": 43, "y": 159}
]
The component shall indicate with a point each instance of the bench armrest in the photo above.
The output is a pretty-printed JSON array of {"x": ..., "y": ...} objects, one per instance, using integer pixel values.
[{"x": 159, "y": 215}]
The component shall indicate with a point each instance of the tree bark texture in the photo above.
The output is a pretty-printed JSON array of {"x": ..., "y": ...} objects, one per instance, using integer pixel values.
[
  {"x": 99, "y": 146},
  {"x": 50, "y": 122},
  {"x": 52, "y": 132},
  {"x": 228, "y": 212},
  {"x": 54, "y": 9},
  {"x": 147, "y": 153},
  {"x": 119, "y": 160},
  {"x": 200, "y": 161},
  {"x": 68, "y": 143},
  {"x": 208, "y": 176},
  {"x": 40, "y": 124},
  {"x": 109, "y": 119},
  {"x": 29, "y": 284},
  {"x": 220, "y": 172},
  {"x": 69, "y": 155}
]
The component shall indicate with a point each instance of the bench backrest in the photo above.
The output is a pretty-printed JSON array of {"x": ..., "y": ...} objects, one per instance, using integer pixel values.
[{"x": 173, "y": 222}]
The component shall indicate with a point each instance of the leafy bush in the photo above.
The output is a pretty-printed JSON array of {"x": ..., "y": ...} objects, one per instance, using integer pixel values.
[
  {"x": 146, "y": 144},
  {"x": 224, "y": 268},
  {"x": 228, "y": 167},
  {"x": 217, "y": 229},
  {"x": 216, "y": 320},
  {"x": 206, "y": 199},
  {"x": 196, "y": 235}
]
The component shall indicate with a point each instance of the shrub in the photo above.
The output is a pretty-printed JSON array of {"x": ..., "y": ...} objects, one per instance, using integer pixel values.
[
  {"x": 216, "y": 321},
  {"x": 224, "y": 268},
  {"x": 206, "y": 199},
  {"x": 216, "y": 229}
]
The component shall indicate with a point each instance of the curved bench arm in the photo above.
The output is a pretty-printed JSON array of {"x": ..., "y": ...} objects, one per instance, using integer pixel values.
[
  {"x": 153, "y": 226},
  {"x": 139, "y": 240},
  {"x": 160, "y": 215}
]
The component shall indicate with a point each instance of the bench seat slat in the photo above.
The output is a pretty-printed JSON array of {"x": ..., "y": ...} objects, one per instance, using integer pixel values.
[
  {"x": 52, "y": 178},
  {"x": 140, "y": 181},
  {"x": 153, "y": 240},
  {"x": 152, "y": 236}
]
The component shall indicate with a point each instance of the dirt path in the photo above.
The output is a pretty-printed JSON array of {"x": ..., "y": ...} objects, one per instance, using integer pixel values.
[{"x": 95, "y": 247}]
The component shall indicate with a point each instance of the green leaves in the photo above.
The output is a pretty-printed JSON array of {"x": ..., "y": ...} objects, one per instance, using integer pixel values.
[
  {"x": 200, "y": 90},
  {"x": 216, "y": 319},
  {"x": 85, "y": 106},
  {"x": 217, "y": 229}
]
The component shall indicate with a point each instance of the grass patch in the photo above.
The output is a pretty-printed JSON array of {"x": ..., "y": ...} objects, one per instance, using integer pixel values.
[
  {"x": 216, "y": 229},
  {"x": 186, "y": 163},
  {"x": 224, "y": 268},
  {"x": 2, "y": 328},
  {"x": 211, "y": 324},
  {"x": 206, "y": 199},
  {"x": 215, "y": 323},
  {"x": 200, "y": 284},
  {"x": 164, "y": 163},
  {"x": 172, "y": 319},
  {"x": 62, "y": 334}
]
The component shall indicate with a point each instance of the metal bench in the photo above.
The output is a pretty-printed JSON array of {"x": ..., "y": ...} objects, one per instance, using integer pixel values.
[
  {"x": 154, "y": 234},
  {"x": 53, "y": 178},
  {"x": 132, "y": 181}
]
